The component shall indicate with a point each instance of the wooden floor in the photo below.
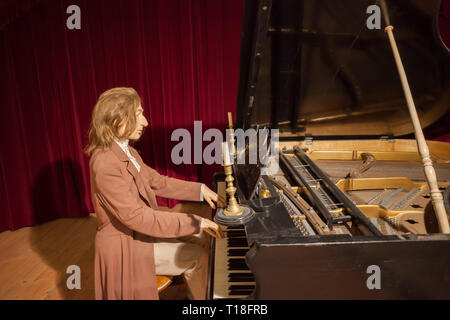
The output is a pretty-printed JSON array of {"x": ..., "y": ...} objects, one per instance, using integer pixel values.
[{"x": 34, "y": 260}]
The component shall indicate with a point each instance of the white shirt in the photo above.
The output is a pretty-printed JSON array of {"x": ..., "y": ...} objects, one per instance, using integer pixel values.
[{"x": 124, "y": 146}]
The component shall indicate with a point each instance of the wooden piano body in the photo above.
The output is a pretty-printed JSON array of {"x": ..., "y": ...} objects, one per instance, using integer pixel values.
[{"x": 311, "y": 70}]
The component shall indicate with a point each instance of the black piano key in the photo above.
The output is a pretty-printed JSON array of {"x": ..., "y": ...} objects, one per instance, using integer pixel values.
[
  {"x": 236, "y": 261},
  {"x": 238, "y": 267},
  {"x": 241, "y": 287},
  {"x": 244, "y": 243},
  {"x": 239, "y": 278},
  {"x": 241, "y": 246},
  {"x": 237, "y": 231},
  {"x": 236, "y": 234},
  {"x": 235, "y": 227},
  {"x": 237, "y": 252},
  {"x": 238, "y": 241},
  {"x": 230, "y": 265},
  {"x": 242, "y": 280},
  {"x": 240, "y": 293},
  {"x": 239, "y": 275}
]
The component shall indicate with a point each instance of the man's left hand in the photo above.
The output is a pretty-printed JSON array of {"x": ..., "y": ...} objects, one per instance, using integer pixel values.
[{"x": 210, "y": 196}]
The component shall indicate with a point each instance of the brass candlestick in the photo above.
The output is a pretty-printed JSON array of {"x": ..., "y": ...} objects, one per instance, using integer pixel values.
[
  {"x": 233, "y": 214},
  {"x": 233, "y": 208}
]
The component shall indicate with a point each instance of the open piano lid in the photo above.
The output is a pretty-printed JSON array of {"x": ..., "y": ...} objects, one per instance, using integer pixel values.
[{"x": 312, "y": 67}]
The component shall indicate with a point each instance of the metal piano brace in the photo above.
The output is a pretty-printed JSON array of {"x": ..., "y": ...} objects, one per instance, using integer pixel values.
[{"x": 320, "y": 198}]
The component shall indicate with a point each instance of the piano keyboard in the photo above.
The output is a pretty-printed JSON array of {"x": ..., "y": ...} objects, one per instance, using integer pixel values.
[{"x": 232, "y": 277}]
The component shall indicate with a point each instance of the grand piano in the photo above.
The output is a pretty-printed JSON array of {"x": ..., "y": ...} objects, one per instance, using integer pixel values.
[{"x": 348, "y": 214}]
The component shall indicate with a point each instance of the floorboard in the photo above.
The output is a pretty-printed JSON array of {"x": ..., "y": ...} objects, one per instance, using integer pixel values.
[{"x": 34, "y": 260}]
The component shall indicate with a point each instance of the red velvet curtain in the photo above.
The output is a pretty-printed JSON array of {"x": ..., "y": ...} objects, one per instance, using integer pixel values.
[
  {"x": 182, "y": 56},
  {"x": 444, "y": 22},
  {"x": 440, "y": 130}
]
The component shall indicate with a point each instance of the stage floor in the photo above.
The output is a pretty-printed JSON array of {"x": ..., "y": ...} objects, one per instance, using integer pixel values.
[{"x": 34, "y": 260}]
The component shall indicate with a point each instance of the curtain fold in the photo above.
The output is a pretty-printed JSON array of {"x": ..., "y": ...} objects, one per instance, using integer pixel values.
[{"x": 51, "y": 78}]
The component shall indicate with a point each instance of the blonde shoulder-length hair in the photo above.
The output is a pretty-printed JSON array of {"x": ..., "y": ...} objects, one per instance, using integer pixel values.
[{"x": 114, "y": 108}]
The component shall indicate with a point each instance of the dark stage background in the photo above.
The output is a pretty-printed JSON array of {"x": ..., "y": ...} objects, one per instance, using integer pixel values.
[{"x": 182, "y": 56}]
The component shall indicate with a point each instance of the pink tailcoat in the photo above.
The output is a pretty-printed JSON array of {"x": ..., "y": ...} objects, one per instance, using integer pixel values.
[{"x": 128, "y": 220}]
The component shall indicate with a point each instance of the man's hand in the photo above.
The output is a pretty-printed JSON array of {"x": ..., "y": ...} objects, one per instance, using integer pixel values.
[
  {"x": 212, "y": 228},
  {"x": 210, "y": 196}
]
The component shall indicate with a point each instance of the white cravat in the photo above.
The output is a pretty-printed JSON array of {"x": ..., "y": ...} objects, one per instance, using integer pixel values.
[{"x": 124, "y": 146}]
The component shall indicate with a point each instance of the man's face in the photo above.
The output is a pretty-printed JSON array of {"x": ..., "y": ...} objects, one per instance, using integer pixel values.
[{"x": 141, "y": 123}]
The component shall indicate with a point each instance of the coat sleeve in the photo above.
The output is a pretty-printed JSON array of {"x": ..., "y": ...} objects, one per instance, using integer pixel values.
[
  {"x": 172, "y": 188},
  {"x": 166, "y": 187},
  {"x": 114, "y": 194}
]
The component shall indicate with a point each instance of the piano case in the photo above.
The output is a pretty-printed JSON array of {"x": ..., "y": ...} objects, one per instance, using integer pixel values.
[{"x": 314, "y": 71}]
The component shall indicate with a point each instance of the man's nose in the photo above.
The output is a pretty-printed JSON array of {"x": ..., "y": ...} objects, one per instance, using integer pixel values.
[{"x": 144, "y": 121}]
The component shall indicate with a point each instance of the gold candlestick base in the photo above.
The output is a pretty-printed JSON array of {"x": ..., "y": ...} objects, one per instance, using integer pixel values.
[{"x": 233, "y": 208}]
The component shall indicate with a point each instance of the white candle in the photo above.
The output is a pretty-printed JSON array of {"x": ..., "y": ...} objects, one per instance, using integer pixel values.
[{"x": 226, "y": 154}]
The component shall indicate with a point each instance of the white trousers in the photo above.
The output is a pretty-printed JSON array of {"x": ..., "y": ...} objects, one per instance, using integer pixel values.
[{"x": 187, "y": 256}]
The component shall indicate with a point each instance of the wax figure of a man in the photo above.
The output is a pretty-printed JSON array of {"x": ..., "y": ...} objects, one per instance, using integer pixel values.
[{"x": 134, "y": 240}]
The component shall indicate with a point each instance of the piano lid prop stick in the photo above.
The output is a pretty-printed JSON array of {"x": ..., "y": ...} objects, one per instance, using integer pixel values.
[{"x": 430, "y": 174}]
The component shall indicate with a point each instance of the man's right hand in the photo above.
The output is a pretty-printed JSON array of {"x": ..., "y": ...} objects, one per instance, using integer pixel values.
[{"x": 212, "y": 228}]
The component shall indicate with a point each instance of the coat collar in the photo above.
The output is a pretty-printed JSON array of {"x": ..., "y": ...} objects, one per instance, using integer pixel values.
[
  {"x": 122, "y": 155},
  {"x": 119, "y": 152},
  {"x": 131, "y": 168}
]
